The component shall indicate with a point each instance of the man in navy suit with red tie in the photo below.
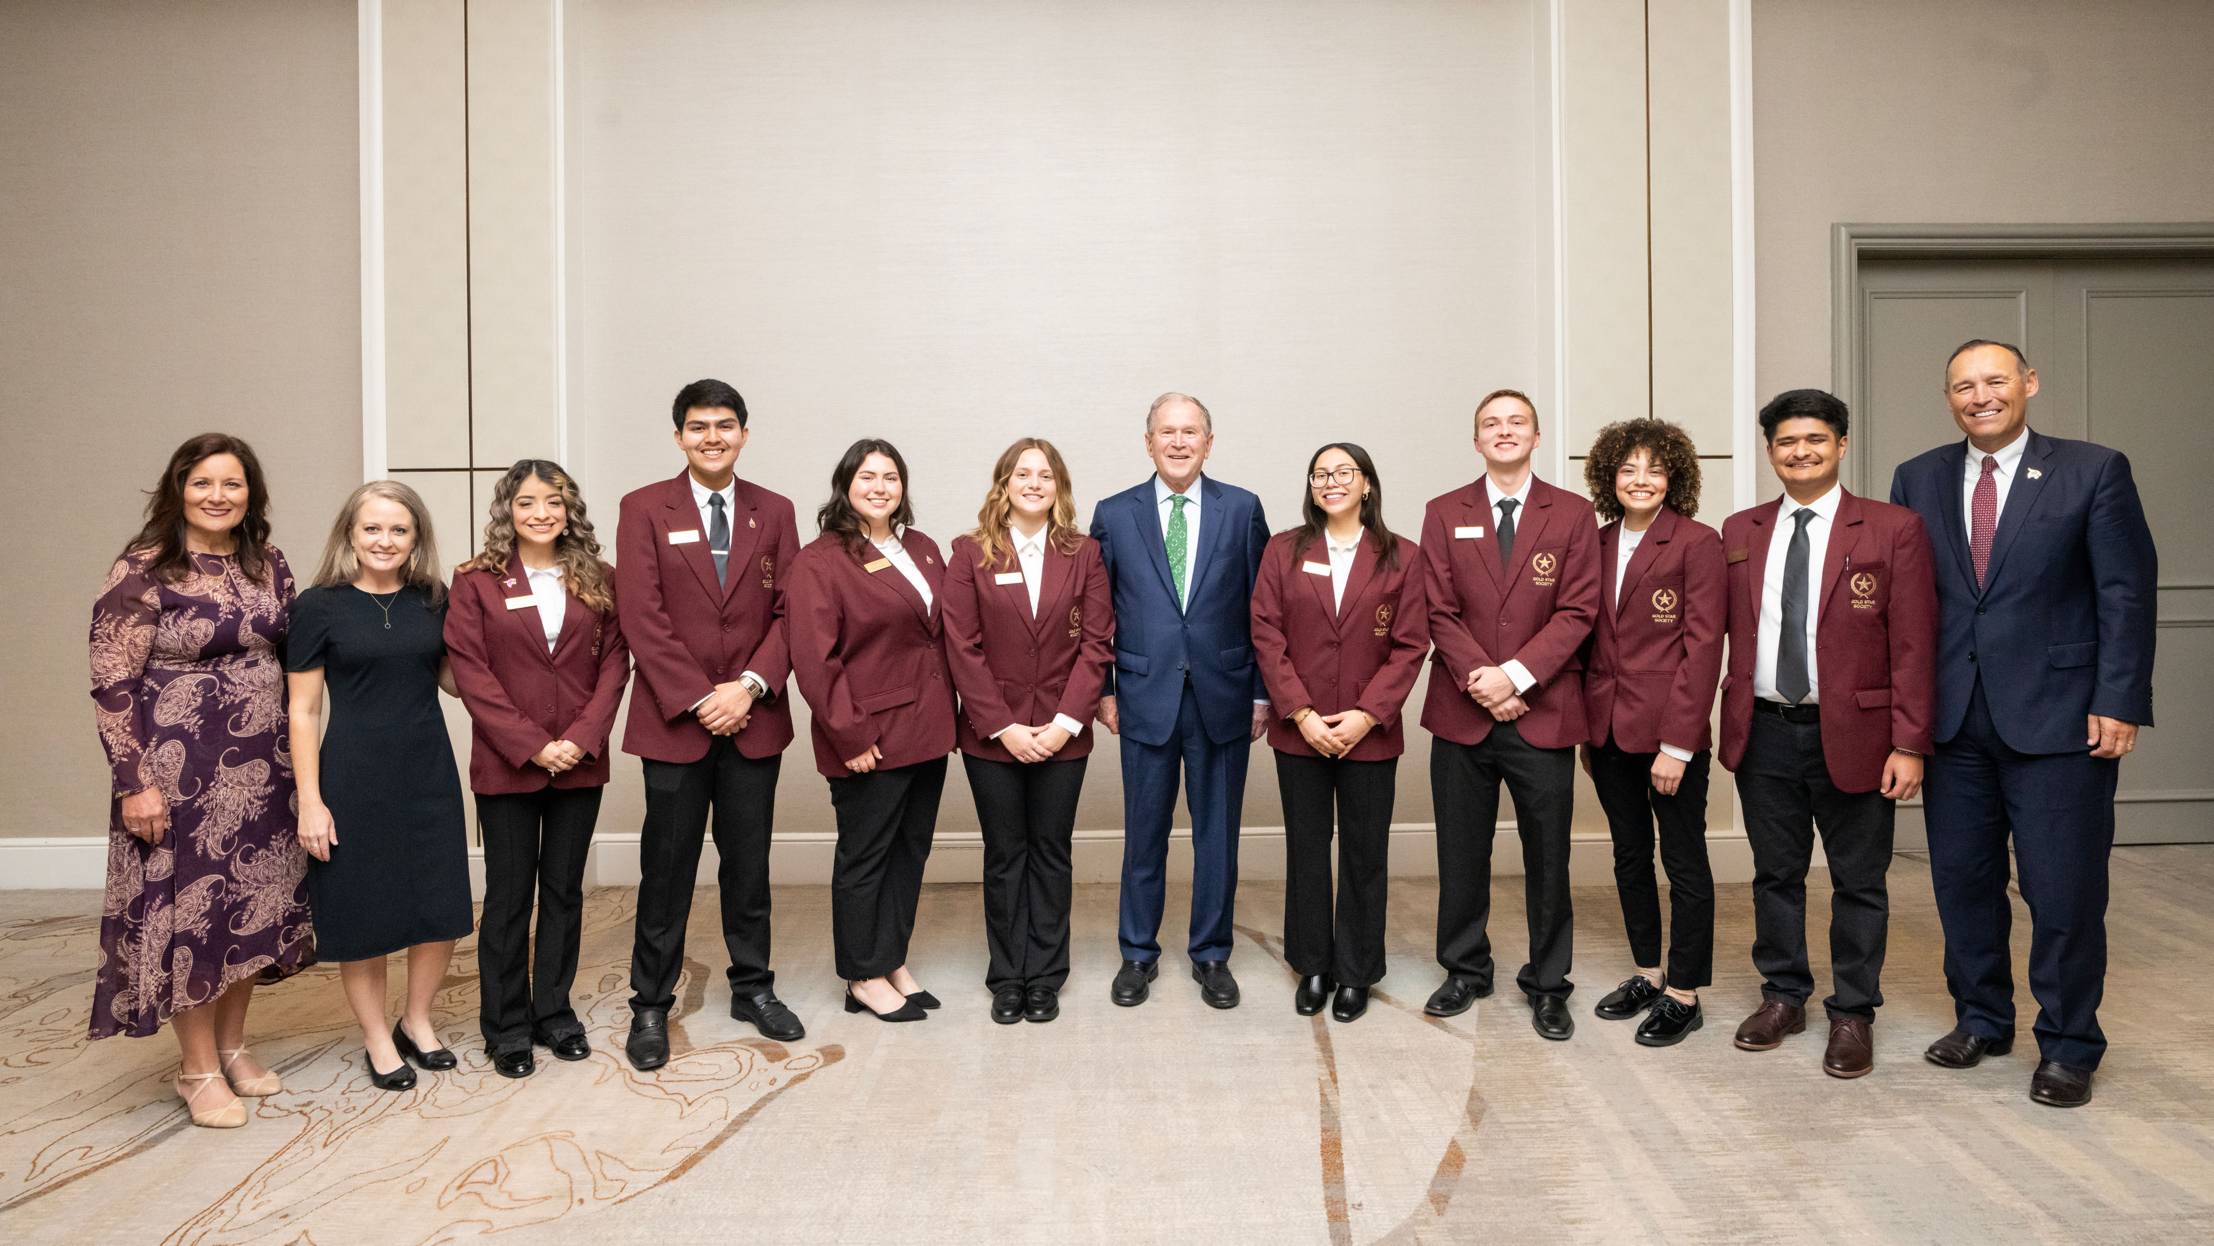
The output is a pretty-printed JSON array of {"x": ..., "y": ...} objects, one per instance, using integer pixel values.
[{"x": 2046, "y": 578}]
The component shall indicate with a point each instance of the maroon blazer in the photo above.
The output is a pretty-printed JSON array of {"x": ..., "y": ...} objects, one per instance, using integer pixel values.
[
  {"x": 688, "y": 633},
  {"x": 1537, "y": 613},
  {"x": 1012, "y": 668},
  {"x": 1362, "y": 654},
  {"x": 1875, "y": 641},
  {"x": 520, "y": 697},
  {"x": 1656, "y": 652},
  {"x": 868, "y": 656}
]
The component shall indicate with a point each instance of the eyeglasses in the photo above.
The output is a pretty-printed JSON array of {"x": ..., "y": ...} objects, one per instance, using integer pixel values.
[{"x": 1342, "y": 476}]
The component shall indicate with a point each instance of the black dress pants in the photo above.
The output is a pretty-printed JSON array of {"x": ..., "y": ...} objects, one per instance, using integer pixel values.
[
  {"x": 535, "y": 843},
  {"x": 740, "y": 791},
  {"x": 1028, "y": 811},
  {"x": 1634, "y": 809},
  {"x": 885, "y": 821},
  {"x": 1785, "y": 786},
  {"x": 1464, "y": 783},
  {"x": 1357, "y": 797}
]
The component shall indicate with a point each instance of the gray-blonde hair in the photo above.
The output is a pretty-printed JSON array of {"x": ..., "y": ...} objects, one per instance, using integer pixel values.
[{"x": 340, "y": 564}]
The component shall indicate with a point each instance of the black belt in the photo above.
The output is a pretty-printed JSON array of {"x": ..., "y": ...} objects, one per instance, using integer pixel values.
[{"x": 1789, "y": 713}]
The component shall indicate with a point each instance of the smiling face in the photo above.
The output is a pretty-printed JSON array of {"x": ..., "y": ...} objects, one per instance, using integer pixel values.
[
  {"x": 1178, "y": 440},
  {"x": 215, "y": 497},
  {"x": 383, "y": 536},
  {"x": 1806, "y": 453},
  {"x": 876, "y": 492},
  {"x": 1989, "y": 391},
  {"x": 539, "y": 513},
  {"x": 711, "y": 439},
  {"x": 1336, "y": 484},
  {"x": 1506, "y": 432},
  {"x": 1641, "y": 485},
  {"x": 1032, "y": 490}
]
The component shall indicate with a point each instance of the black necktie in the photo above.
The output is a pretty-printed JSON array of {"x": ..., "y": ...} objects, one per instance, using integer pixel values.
[
  {"x": 1506, "y": 531},
  {"x": 718, "y": 538},
  {"x": 1791, "y": 644}
]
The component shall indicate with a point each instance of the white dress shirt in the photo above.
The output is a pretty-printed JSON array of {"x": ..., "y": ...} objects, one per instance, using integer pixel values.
[
  {"x": 1030, "y": 552},
  {"x": 1516, "y": 671},
  {"x": 553, "y": 599},
  {"x": 1161, "y": 495},
  {"x": 2010, "y": 460},
  {"x": 729, "y": 494},
  {"x": 904, "y": 563},
  {"x": 1626, "y": 543},
  {"x": 1341, "y": 566},
  {"x": 1771, "y": 591}
]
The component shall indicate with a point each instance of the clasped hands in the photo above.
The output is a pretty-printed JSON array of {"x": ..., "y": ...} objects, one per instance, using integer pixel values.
[
  {"x": 1335, "y": 735},
  {"x": 558, "y": 756},
  {"x": 1494, "y": 690},
  {"x": 1034, "y": 744},
  {"x": 727, "y": 709}
]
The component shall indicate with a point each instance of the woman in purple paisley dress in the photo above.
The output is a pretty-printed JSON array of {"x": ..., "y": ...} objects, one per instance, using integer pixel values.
[{"x": 206, "y": 895}]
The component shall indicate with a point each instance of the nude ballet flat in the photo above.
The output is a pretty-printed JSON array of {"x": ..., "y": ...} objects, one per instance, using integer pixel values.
[
  {"x": 230, "y": 1116},
  {"x": 251, "y": 1087}
]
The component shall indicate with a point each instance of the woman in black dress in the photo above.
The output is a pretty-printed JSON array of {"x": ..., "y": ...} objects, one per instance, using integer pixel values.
[{"x": 380, "y": 800}]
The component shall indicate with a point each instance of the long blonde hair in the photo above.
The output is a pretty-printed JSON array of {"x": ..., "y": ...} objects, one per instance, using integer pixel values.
[
  {"x": 576, "y": 550},
  {"x": 340, "y": 564},
  {"x": 998, "y": 509}
]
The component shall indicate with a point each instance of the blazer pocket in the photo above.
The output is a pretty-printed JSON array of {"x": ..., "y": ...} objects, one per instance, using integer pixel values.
[
  {"x": 1236, "y": 656},
  {"x": 1872, "y": 698},
  {"x": 2083, "y": 653},
  {"x": 1135, "y": 663},
  {"x": 890, "y": 698}
]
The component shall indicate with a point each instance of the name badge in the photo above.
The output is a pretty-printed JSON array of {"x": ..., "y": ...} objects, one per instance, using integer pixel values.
[
  {"x": 521, "y": 603},
  {"x": 873, "y": 567},
  {"x": 684, "y": 538},
  {"x": 1008, "y": 577},
  {"x": 1315, "y": 568},
  {"x": 1470, "y": 532}
]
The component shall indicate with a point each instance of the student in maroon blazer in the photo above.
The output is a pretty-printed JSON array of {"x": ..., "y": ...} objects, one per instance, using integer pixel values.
[
  {"x": 866, "y": 628},
  {"x": 1029, "y": 630},
  {"x": 1825, "y": 716},
  {"x": 700, "y": 581},
  {"x": 1649, "y": 677},
  {"x": 538, "y": 656},
  {"x": 1339, "y": 633},
  {"x": 1511, "y": 579}
]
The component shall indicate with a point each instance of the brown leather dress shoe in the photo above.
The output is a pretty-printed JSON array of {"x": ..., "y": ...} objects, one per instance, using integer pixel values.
[
  {"x": 1765, "y": 1029},
  {"x": 1962, "y": 1050},
  {"x": 1852, "y": 1050}
]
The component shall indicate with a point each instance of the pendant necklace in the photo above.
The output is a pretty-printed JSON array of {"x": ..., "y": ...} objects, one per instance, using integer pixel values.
[{"x": 385, "y": 604}]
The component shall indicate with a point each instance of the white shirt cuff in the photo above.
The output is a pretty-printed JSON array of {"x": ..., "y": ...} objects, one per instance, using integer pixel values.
[
  {"x": 1261, "y": 702},
  {"x": 1683, "y": 755},
  {"x": 1068, "y": 724},
  {"x": 697, "y": 704},
  {"x": 1520, "y": 674}
]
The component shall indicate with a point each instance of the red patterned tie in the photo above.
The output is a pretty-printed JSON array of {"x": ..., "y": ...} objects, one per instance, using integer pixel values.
[{"x": 1983, "y": 516}]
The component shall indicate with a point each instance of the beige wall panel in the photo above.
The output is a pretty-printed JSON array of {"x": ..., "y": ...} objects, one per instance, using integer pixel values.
[
  {"x": 511, "y": 232},
  {"x": 178, "y": 254},
  {"x": 1690, "y": 64},
  {"x": 426, "y": 238},
  {"x": 1603, "y": 188},
  {"x": 447, "y": 496}
]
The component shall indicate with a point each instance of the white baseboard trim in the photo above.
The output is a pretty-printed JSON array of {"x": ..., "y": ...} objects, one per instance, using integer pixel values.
[{"x": 803, "y": 859}]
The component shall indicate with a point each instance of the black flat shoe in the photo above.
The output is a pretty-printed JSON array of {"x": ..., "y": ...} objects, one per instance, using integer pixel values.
[
  {"x": 1313, "y": 993},
  {"x": 1006, "y": 1004},
  {"x": 2060, "y": 1085},
  {"x": 402, "y": 1078},
  {"x": 924, "y": 999},
  {"x": 907, "y": 1011},
  {"x": 436, "y": 1061},
  {"x": 1549, "y": 1017},
  {"x": 518, "y": 1063},
  {"x": 1130, "y": 989},
  {"x": 1041, "y": 1004},
  {"x": 570, "y": 1047},
  {"x": 648, "y": 1045},
  {"x": 1351, "y": 1002},
  {"x": 1217, "y": 989},
  {"x": 1668, "y": 1021},
  {"x": 1962, "y": 1050},
  {"x": 1635, "y": 995},
  {"x": 768, "y": 1014},
  {"x": 1455, "y": 996}
]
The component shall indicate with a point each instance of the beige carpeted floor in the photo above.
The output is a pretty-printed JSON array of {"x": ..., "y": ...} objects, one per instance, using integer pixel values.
[{"x": 1169, "y": 1122}]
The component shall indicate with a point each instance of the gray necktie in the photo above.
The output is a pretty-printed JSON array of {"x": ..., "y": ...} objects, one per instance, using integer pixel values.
[
  {"x": 718, "y": 538},
  {"x": 1506, "y": 531},
  {"x": 1791, "y": 644}
]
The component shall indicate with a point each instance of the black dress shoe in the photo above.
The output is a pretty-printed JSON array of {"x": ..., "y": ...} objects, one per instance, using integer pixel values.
[
  {"x": 517, "y": 1063},
  {"x": 1962, "y": 1050},
  {"x": 571, "y": 1047},
  {"x": 924, "y": 999},
  {"x": 1454, "y": 996},
  {"x": 435, "y": 1061},
  {"x": 1635, "y": 995},
  {"x": 1129, "y": 989},
  {"x": 908, "y": 1009},
  {"x": 1041, "y": 1004},
  {"x": 768, "y": 1015},
  {"x": 402, "y": 1078},
  {"x": 648, "y": 1044},
  {"x": 2060, "y": 1085},
  {"x": 1351, "y": 1002},
  {"x": 1006, "y": 1004},
  {"x": 1668, "y": 1022},
  {"x": 1549, "y": 1017},
  {"x": 1313, "y": 993},
  {"x": 1217, "y": 989}
]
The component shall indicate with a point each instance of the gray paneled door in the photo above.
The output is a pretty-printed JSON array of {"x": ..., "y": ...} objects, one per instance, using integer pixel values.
[{"x": 2124, "y": 352}]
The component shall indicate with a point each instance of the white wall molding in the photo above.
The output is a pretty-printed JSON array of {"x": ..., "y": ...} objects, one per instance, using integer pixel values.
[{"x": 373, "y": 440}]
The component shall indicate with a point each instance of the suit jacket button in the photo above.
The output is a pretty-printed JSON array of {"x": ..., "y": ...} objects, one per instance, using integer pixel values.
[{"x": 1979, "y": 609}]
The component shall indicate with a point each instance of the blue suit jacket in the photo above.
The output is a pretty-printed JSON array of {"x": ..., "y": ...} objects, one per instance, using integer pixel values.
[
  {"x": 1211, "y": 639},
  {"x": 2063, "y": 626}
]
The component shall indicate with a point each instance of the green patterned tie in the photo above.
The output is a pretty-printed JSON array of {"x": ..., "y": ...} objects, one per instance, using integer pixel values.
[{"x": 1177, "y": 533}]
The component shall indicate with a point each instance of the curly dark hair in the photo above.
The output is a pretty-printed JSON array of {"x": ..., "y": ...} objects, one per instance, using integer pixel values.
[{"x": 1670, "y": 447}]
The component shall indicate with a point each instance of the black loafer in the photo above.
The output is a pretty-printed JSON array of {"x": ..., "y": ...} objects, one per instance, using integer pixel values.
[
  {"x": 570, "y": 1047},
  {"x": 402, "y": 1078},
  {"x": 648, "y": 1044},
  {"x": 1455, "y": 996},
  {"x": 1313, "y": 993},
  {"x": 1217, "y": 989},
  {"x": 517, "y": 1063},
  {"x": 2060, "y": 1085},
  {"x": 1006, "y": 1004},
  {"x": 1130, "y": 989},
  {"x": 1668, "y": 1022},
  {"x": 1351, "y": 1002},
  {"x": 436, "y": 1061},
  {"x": 1635, "y": 995},
  {"x": 924, "y": 999},
  {"x": 1549, "y": 1017},
  {"x": 1041, "y": 1004},
  {"x": 1962, "y": 1050},
  {"x": 768, "y": 1015}
]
